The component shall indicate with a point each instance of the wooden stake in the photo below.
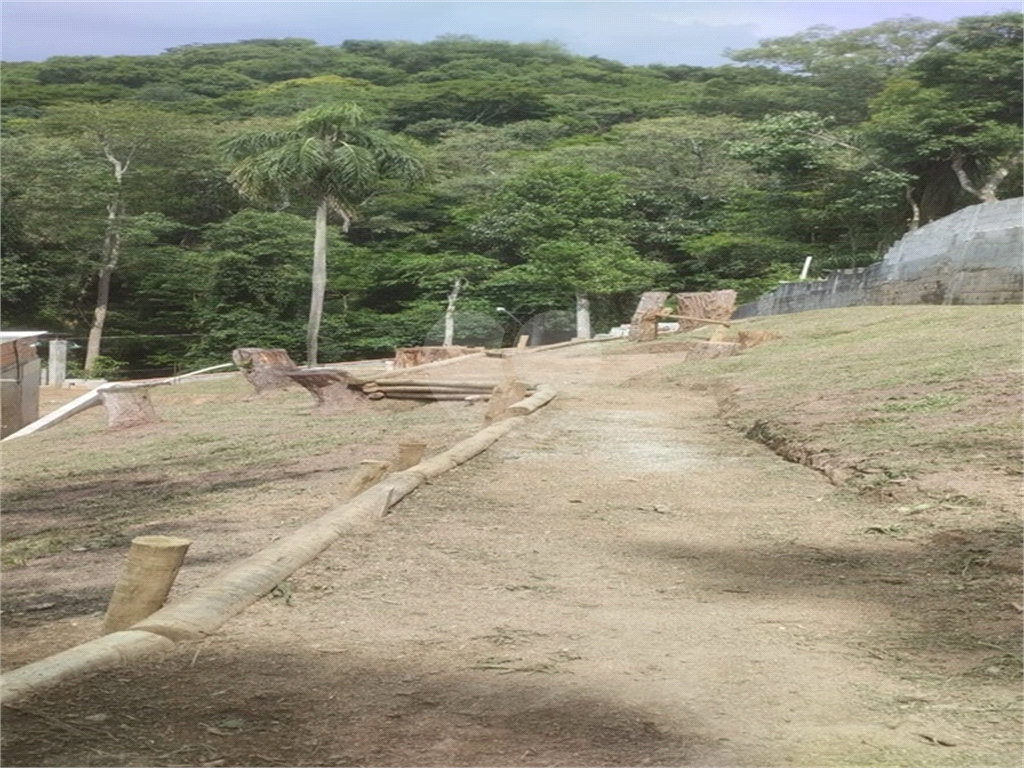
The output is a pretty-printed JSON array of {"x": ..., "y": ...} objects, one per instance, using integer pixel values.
[
  {"x": 153, "y": 563},
  {"x": 502, "y": 397},
  {"x": 370, "y": 472},
  {"x": 523, "y": 341},
  {"x": 410, "y": 454}
]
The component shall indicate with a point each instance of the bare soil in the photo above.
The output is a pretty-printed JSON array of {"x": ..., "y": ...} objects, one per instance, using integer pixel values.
[{"x": 626, "y": 579}]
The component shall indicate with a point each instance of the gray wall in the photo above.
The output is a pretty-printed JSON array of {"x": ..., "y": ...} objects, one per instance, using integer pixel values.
[{"x": 973, "y": 256}]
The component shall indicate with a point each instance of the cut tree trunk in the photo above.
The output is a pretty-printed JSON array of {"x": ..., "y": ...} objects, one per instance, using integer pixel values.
[
  {"x": 410, "y": 357},
  {"x": 128, "y": 405},
  {"x": 644, "y": 325},
  {"x": 707, "y": 306},
  {"x": 265, "y": 369}
]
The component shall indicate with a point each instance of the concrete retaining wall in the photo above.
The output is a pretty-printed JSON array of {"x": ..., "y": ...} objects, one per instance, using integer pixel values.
[{"x": 973, "y": 256}]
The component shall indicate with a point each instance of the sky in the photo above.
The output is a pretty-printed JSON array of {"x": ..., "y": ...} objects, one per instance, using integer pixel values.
[{"x": 668, "y": 32}]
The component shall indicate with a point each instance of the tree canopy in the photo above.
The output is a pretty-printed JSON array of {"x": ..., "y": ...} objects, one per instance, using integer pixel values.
[{"x": 530, "y": 178}]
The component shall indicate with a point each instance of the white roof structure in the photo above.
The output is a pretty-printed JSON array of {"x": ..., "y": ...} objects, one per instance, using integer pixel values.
[{"x": 6, "y": 336}]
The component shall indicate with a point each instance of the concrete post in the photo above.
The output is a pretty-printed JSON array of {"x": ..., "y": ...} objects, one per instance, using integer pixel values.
[{"x": 58, "y": 365}]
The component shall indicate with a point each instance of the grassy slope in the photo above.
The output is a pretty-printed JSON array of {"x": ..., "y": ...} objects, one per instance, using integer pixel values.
[
  {"x": 77, "y": 484},
  {"x": 880, "y": 394}
]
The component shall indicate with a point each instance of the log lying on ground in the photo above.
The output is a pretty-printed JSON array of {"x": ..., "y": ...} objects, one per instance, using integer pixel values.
[
  {"x": 412, "y": 389},
  {"x": 206, "y": 609}
]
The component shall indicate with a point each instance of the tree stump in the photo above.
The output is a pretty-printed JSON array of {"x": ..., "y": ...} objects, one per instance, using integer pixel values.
[
  {"x": 644, "y": 325},
  {"x": 128, "y": 405},
  {"x": 714, "y": 305},
  {"x": 410, "y": 357},
  {"x": 330, "y": 388},
  {"x": 265, "y": 369}
]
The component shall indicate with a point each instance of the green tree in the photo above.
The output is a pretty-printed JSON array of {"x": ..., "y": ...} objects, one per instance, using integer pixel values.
[
  {"x": 121, "y": 136},
  {"x": 330, "y": 154},
  {"x": 564, "y": 232},
  {"x": 958, "y": 109}
]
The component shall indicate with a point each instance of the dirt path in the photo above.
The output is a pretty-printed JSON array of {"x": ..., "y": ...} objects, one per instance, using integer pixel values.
[{"x": 622, "y": 581}]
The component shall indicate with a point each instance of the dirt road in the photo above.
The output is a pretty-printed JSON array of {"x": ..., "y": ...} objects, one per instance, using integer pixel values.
[{"x": 622, "y": 581}]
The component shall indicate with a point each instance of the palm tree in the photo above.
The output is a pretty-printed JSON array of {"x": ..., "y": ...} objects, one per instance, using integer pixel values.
[{"x": 333, "y": 156}]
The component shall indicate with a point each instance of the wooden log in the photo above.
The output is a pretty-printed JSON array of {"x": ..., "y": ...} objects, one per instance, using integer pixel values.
[
  {"x": 644, "y": 325},
  {"x": 410, "y": 453},
  {"x": 149, "y": 572},
  {"x": 204, "y": 610},
  {"x": 434, "y": 390},
  {"x": 375, "y": 396},
  {"x": 428, "y": 396},
  {"x": 110, "y": 651},
  {"x": 128, "y": 406},
  {"x": 381, "y": 382},
  {"x": 369, "y": 473},
  {"x": 265, "y": 369}
]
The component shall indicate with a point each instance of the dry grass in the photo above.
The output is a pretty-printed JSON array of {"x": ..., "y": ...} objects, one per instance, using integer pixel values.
[
  {"x": 891, "y": 392},
  {"x": 215, "y": 448}
]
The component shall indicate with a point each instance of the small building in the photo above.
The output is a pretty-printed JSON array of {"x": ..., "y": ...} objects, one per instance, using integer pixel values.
[{"x": 20, "y": 370}]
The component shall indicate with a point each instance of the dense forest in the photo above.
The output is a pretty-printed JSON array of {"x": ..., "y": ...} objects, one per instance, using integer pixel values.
[{"x": 159, "y": 211}]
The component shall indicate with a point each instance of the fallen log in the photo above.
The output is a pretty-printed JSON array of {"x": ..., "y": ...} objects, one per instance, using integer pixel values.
[
  {"x": 204, "y": 610},
  {"x": 432, "y": 396},
  {"x": 380, "y": 382},
  {"x": 439, "y": 390}
]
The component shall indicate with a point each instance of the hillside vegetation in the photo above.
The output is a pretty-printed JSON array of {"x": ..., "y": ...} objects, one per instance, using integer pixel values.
[{"x": 530, "y": 179}]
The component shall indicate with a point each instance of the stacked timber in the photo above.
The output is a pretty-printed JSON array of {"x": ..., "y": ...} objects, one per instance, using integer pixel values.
[{"x": 415, "y": 389}]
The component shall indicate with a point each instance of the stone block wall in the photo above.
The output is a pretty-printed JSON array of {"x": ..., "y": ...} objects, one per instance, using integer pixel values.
[{"x": 973, "y": 256}]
